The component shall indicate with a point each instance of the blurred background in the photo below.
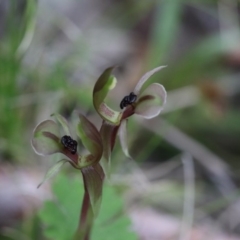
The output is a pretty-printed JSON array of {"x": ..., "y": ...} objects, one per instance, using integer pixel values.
[{"x": 184, "y": 180}]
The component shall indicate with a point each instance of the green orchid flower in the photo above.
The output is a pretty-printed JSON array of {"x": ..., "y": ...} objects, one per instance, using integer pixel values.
[
  {"x": 147, "y": 103},
  {"x": 47, "y": 140}
]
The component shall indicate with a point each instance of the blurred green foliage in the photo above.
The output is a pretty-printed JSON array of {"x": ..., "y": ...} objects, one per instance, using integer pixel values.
[
  {"x": 52, "y": 73},
  {"x": 60, "y": 216},
  {"x": 17, "y": 20}
]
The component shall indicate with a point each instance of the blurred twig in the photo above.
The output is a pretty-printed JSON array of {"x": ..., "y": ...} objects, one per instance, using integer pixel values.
[
  {"x": 163, "y": 169},
  {"x": 215, "y": 166},
  {"x": 189, "y": 197}
]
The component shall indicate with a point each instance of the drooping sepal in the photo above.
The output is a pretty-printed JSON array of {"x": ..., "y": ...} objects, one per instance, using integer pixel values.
[
  {"x": 123, "y": 138},
  {"x": 52, "y": 171},
  {"x": 104, "y": 84},
  {"x": 108, "y": 133}
]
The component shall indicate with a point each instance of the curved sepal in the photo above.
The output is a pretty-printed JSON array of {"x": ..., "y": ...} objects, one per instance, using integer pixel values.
[
  {"x": 151, "y": 101},
  {"x": 104, "y": 84},
  {"x": 123, "y": 137},
  {"x": 93, "y": 177},
  {"x": 52, "y": 171},
  {"x": 145, "y": 77},
  {"x": 45, "y": 139}
]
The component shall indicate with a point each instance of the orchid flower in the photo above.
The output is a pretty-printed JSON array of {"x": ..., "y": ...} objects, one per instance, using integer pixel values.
[
  {"x": 147, "y": 103},
  {"x": 47, "y": 140}
]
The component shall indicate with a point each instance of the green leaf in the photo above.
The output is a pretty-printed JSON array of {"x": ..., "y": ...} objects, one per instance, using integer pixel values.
[
  {"x": 53, "y": 170},
  {"x": 31, "y": 17},
  {"x": 61, "y": 215},
  {"x": 144, "y": 78},
  {"x": 104, "y": 84},
  {"x": 63, "y": 123},
  {"x": 168, "y": 15},
  {"x": 151, "y": 101},
  {"x": 45, "y": 139},
  {"x": 93, "y": 177},
  {"x": 123, "y": 137},
  {"x": 112, "y": 222}
]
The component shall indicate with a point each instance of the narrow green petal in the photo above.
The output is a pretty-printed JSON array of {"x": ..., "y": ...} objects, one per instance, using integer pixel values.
[
  {"x": 53, "y": 170},
  {"x": 63, "y": 123},
  {"x": 104, "y": 84},
  {"x": 151, "y": 101},
  {"x": 93, "y": 177},
  {"x": 45, "y": 139}
]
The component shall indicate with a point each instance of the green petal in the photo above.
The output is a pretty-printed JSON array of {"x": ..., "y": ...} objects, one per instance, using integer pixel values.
[
  {"x": 63, "y": 123},
  {"x": 123, "y": 137},
  {"x": 53, "y": 170},
  {"x": 90, "y": 137},
  {"x": 45, "y": 139},
  {"x": 145, "y": 77},
  {"x": 104, "y": 84},
  {"x": 151, "y": 101},
  {"x": 93, "y": 178}
]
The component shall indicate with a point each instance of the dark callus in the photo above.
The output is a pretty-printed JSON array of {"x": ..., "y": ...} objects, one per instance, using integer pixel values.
[
  {"x": 69, "y": 144},
  {"x": 127, "y": 100}
]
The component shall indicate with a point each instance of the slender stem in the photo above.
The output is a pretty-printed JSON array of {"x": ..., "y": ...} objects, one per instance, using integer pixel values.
[{"x": 85, "y": 220}]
